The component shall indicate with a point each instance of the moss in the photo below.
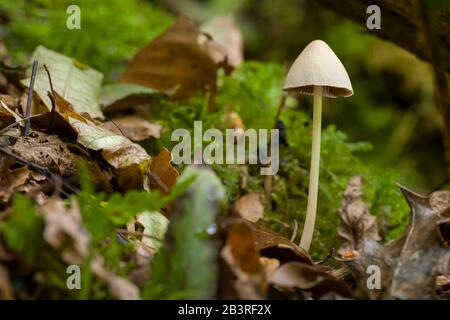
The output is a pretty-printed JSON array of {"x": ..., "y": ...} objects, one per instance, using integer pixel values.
[{"x": 101, "y": 35}]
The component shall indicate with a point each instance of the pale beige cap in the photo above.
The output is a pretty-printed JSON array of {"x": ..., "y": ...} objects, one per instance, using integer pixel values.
[{"x": 317, "y": 65}]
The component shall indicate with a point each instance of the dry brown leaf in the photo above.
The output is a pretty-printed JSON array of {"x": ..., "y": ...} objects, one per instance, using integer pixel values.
[
  {"x": 243, "y": 260},
  {"x": 296, "y": 275},
  {"x": 47, "y": 151},
  {"x": 119, "y": 287},
  {"x": 356, "y": 221},
  {"x": 273, "y": 245},
  {"x": 225, "y": 32},
  {"x": 10, "y": 180},
  {"x": 134, "y": 128},
  {"x": 249, "y": 207},
  {"x": 64, "y": 229},
  {"x": 410, "y": 264},
  {"x": 176, "y": 60},
  {"x": 162, "y": 175},
  {"x": 129, "y": 159},
  {"x": 6, "y": 292},
  {"x": 440, "y": 200}
]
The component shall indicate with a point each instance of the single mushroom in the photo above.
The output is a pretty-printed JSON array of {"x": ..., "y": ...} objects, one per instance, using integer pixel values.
[{"x": 317, "y": 71}]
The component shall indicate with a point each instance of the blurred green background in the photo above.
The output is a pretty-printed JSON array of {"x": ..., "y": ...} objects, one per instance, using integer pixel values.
[{"x": 393, "y": 106}]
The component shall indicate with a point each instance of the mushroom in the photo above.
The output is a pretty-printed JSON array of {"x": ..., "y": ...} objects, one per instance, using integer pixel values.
[{"x": 317, "y": 71}]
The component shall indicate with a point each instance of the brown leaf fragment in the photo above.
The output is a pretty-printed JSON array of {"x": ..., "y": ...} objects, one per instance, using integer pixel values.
[
  {"x": 225, "y": 32},
  {"x": 408, "y": 265},
  {"x": 161, "y": 175},
  {"x": 6, "y": 292},
  {"x": 443, "y": 226},
  {"x": 243, "y": 259},
  {"x": 440, "y": 200},
  {"x": 119, "y": 287},
  {"x": 249, "y": 207},
  {"x": 47, "y": 151},
  {"x": 356, "y": 221},
  {"x": 134, "y": 128},
  {"x": 443, "y": 286},
  {"x": 273, "y": 245},
  {"x": 129, "y": 159},
  {"x": 64, "y": 230},
  {"x": 295, "y": 275},
  {"x": 177, "y": 59},
  {"x": 10, "y": 180}
]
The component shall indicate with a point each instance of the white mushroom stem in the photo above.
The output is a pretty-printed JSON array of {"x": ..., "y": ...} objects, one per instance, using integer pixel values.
[{"x": 310, "y": 220}]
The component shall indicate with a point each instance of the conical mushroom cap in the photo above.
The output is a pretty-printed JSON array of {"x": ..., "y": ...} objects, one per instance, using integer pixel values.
[{"x": 317, "y": 65}]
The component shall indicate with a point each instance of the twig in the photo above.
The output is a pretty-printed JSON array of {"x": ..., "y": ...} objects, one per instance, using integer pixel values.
[
  {"x": 51, "y": 96},
  {"x": 118, "y": 128},
  {"x": 158, "y": 180},
  {"x": 30, "y": 97},
  {"x": 328, "y": 257}
]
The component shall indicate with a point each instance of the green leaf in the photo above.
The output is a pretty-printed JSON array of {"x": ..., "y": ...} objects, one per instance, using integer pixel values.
[
  {"x": 77, "y": 83},
  {"x": 186, "y": 265},
  {"x": 23, "y": 228},
  {"x": 119, "y": 96}
]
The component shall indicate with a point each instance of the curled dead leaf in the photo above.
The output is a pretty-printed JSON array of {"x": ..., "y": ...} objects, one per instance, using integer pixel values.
[
  {"x": 273, "y": 245},
  {"x": 295, "y": 275}
]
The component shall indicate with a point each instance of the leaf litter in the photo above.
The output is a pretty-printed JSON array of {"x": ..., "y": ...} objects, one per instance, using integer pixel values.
[{"x": 181, "y": 239}]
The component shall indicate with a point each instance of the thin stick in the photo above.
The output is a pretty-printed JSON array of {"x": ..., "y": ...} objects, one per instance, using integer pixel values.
[
  {"x": 311, "y": 209},
  {"x": 30, "y": 97}
]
